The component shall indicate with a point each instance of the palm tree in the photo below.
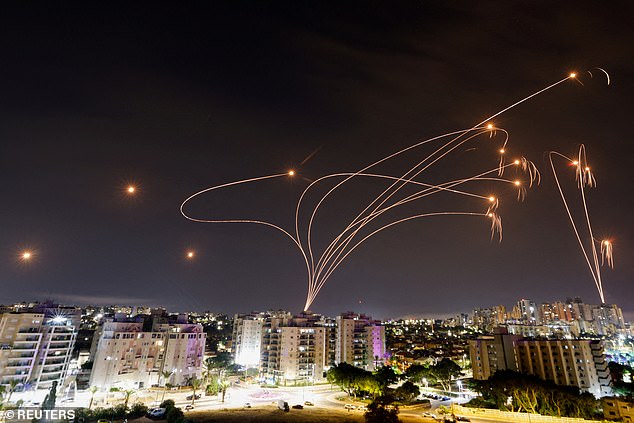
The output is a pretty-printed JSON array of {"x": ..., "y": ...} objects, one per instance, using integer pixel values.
[
  {"x": 93, "y": 390},
  {"x": 166, "y": 376},
  {"x": 223, "y": 385},
  {"x": 209, "y": 367},
  {"x": 195, "y": 383},
  {"x": 13, "y": 385},
  {"x": 127, "y": 394}
]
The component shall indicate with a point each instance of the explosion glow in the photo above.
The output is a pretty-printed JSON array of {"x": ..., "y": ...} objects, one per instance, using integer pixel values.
[
  {"x": 585, "y": 179},
  {"x": 320, "y": 264}
]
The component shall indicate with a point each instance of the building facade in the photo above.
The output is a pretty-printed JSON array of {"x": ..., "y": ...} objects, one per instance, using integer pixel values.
[
  {"x": 579, "y": 363},
  {"x": 126, "y": 356},
  {"x": 36, "y": 344},
  {"x": 247, "y": 339},
  {"x": 360, "y": 341}
]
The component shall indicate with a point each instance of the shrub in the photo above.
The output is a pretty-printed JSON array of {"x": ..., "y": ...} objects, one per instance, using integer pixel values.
[
  {"x": 175, "y": 415},
  {"x": 137, "y": 410},
  {"x": 168, "y": 404}
]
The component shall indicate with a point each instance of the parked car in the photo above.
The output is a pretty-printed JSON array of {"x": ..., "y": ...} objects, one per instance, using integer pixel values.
[
  {"x": 298, "y": 407},
  {"x": 308, "y": 403},
  {"x": 247, "y": 405},
  {"x": 189, "y": 407},
  {"x": 462, "y": 419},
  {"x": 350, "y": 407},
  {"x": 156, "y": 413},
  {"x": 283, "y": 405},
  {"x": 190, "y": 397}
]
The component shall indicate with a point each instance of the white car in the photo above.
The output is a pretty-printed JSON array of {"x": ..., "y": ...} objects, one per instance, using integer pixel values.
[{"x": 157, "y": 413}]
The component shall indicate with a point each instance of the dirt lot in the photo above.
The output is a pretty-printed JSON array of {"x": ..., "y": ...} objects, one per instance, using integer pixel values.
[{"x": 271, "y": 414}]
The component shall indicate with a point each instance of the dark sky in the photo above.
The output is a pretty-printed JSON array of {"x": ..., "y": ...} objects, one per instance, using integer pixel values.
[{"x": 178, "y": 97}]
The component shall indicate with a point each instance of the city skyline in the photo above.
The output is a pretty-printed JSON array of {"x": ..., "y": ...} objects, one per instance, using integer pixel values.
[{"x": 109, "y": 126}]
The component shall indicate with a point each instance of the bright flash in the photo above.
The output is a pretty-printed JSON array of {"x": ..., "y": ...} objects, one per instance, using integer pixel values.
[
  {"x": 131, "y": 189},
  {"x": 291, "y": 173},
  {"x": 490, "y": 126},
  {"x": 587, "y": 168},
  {"x": 606, "y": 242},
  {"x": 575, "y": 163},
  {"x": 517, "y": 183},
  {"x": 190, "y": 254},
  {"x": 491, "y": 198},
  {"x": 27, "y": 255},
  {"x": 572, "y": 74},
  {"x": 516, "y": 162},
  {"x": 502, "y": 151},
  {"x": 490, "y": 214}
]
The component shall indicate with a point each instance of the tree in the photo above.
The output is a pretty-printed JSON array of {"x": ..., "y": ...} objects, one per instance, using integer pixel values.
[
  {"x": 49, "y": 400},
  {"x": 407, "y": 392},
  {"x": 126, "y": 395},
  {"x": 166, "y": 376},
  {"x": 221, "y": 362},
  {"x": 222, "y": 387},
  {"x": 385, "y": 376},
  {"x": 195, "y": 383},
  {"x": 348, "y": 377},
  {"x": 416, "y": 373},
  {"x": 13, "y": 385},
  {"x": 380, "y": 411},
  {"x": 512, "y": 391},
  {"x": 444, "y": 372},
  {"x": 93, "y": 390}
]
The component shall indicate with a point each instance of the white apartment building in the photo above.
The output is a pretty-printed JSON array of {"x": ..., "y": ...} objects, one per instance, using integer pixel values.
[
  {"x": 36, "y": 345},
  {"x": 247, "y": 339},
  {"x": 128, "y": 357},
  {"x": 302, "y": 348},
  {"x": 360, "y": 341},
  {"x": 293, "y": 349},
  {"x": 20, "y": 338}
]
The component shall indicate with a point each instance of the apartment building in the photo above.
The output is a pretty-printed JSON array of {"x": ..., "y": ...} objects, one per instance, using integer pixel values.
[
  {"x": 247, "y": 338},
  {"x": 36, "y": 344},
  {"x": 579, "y": 363},
  {"x": 294, "y": 349},
  {"x": 360, "y": 341},
  {"x": 128, "y": 356}
]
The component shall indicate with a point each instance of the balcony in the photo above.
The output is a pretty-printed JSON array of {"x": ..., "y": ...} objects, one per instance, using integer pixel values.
[
  {"x": 19, "y": 365},
  {"x": 24, "y": 347}
]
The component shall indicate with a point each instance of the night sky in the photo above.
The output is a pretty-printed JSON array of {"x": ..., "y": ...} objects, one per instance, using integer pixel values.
[{"x": 178, "y": 97}]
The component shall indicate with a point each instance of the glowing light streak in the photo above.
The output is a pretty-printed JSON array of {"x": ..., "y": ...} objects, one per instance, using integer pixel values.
[
  {"x": 585, "y": 179},
  {"x": 321, "y": 266}
]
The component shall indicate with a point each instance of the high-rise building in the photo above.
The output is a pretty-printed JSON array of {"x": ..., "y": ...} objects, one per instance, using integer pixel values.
[
  {"x": 579, "y": 363},
  {"x": 360, "y": 341},
  {"x": 492, "y": 353},
  {"x": 36, "y": 344},
  {"x": 293, "y": 348},
  {"x": 528, "y": 312},
  {"x": 247, "y": 338},
  {"x": 128, "y": 356}
]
